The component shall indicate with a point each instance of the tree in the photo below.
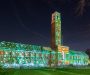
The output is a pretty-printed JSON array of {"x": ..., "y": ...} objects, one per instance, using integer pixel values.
[{"x": 88, "y": 52}]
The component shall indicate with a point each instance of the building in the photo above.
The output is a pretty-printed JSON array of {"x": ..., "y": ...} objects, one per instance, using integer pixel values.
[
  {"x": 16, "y": 55},
  {"x": 55, "y": 30}
]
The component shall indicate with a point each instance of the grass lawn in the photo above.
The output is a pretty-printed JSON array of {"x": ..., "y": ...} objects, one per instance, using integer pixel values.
[{"x": 62, "y": 71}]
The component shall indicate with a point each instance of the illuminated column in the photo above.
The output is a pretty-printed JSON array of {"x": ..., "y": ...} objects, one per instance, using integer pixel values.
[
  {"x": 63, "y": 55},
  {"x": 55, "y": 30}
]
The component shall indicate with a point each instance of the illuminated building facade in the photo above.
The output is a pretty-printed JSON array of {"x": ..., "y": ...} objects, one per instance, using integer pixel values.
[
  {"x": 16, "y": 55},
  {"x": 55, "y": 30},
  {"x": 24, "y": 55}
]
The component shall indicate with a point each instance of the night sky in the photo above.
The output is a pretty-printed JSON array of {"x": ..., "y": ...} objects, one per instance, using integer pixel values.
[{"x": 29, "y": 21}]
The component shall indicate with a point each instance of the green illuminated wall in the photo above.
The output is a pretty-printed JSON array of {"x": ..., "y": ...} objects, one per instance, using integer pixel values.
[
  {"x": 24, "y": 54},
  {"x": 37, "y": 56},
  {"x": 78, "y": 58},
  {"x": 57, "y": 28}
]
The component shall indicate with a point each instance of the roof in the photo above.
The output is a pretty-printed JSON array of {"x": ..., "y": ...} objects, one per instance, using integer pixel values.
[
  {"x": 73, "y": 52},
  {"x": 18, "y": 46}
]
